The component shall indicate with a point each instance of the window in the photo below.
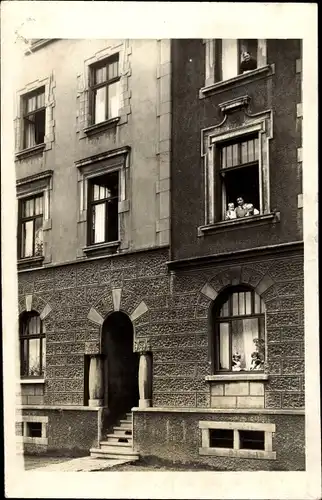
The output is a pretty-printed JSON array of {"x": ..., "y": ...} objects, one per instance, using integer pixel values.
[
  {"x": 239, "y": 331},
  {"x": 252, "y": 440},
  {"x": 34, "y": 118},
  {"x": 34, "y": 429},
  {"x": 238, "y": 183},
  {"x": 221, "y": 438},
  {"x": 103, "y": 208},
  {"x": 31, "y": 227},
  {"x": 105, "y": 90},
  {"x": 235, "y": 57},
  {"x": 237, "y": 439},
  {"x": 32, "y": 345}
]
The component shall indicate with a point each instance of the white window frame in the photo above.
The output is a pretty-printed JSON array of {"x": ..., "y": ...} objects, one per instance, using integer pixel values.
[
  {"x": 260, "y": 123},
  {"x": 236, "y": 451}
]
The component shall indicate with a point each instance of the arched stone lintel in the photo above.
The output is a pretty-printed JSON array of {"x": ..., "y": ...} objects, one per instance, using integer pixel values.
[
  {"x": 265, "y": 283},
  {"x": 31, "y": 302}
]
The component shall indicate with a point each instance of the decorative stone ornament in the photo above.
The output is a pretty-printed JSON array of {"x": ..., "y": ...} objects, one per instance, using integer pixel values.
[{"x": 142, "y": 345}]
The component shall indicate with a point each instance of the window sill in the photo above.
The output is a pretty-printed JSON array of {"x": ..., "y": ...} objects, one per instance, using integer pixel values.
[
  {"x": 235, "y": 223},
  {"x": 24, "y": 153},
  {"x": 232, "y": 377},
  {"x": 32, "y": 381},
  {"x": 228, "y": 452},
  {"x": 100, "y": 248},
  {"x": 100, "y": 127},
  {"x": 30, "y": 262},
  {"x": 231, "y": 82}
]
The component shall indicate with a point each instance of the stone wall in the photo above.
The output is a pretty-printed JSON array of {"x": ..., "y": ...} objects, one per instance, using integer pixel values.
[
  {"x": 70, "y": 292},
  {"x": 176, "y": 437}
]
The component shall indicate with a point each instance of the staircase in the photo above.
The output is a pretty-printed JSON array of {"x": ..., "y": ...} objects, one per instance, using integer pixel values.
[{"x": 119, "y": 444}]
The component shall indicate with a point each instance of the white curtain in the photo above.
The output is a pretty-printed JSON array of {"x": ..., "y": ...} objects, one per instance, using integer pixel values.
[
  {"x": 243, "y": 333},
  {"x": 99, "y": 225},
  {"x": 229, "y": 58}
]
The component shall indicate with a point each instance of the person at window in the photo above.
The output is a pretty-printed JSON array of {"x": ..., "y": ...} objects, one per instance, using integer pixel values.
[
  {"x": 230, "y": 214},
  {"x": 248, "y": 62},
  {"x": 251, "y": 210},
  {"x": 236, "y": 365},
  {"x": 241, "y": 209},
  {"x": 256, "y": 363}
]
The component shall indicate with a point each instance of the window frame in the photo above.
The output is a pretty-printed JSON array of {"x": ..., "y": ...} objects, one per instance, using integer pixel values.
[
  {"x": 25, "y": 316},
  {"x": 91, "y": 203},
  {"x": 93, "y": 86},
  {"x": 22, "y": 220},
  {"x": 27, "y": 114},
  {"x": 217, "y": 320}
]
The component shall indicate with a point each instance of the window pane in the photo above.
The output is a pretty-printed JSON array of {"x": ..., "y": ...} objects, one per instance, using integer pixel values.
[
  {"x": 241, "y": 303},
  {"x": 41, "y": 100},
  {"x": 31, "y": 103},
  {"x": 256, "y": 149},
  {"x": 113, "y": 70},
  {"x": 229, "y": 58},
  {"x": 96, "y": 192},
  {"x": 24, "y": 357},
  {"x": 38, "y": 205},
  {"x": 235, "y": 303},
  {"x": 223, "y": 158},
  {"x": 30, "y": 138},
  {"x": 34, "y": 357},
  {"x": 248, "y": 300},
  {"x": 252, "y": 440},
  {"x": 99, "y": 223},
  {"x": 113, "y": 100},
  {"x": 34, "y": 325},
  {"x": 235, "y": 154},
  {"x": 100, "y": 75},
  {"x": 263, "y": 308},
  {"x": 250, "y": 150},
  {"x": 221, "y": 438},
  {"x": 102, "y": 192},
  {"x": 27, "y": 239},
  {"x": 244, "y": 152},
  {"x": 40, "y": 127},
  {"x": 244, "y": 331},
  {"x": 112, "y": 220},
  {"x": 100, "y": 105},
  {"x": 248, "y": 55},
  {"x": 229, "y": 156},
  {"x": 224, "y": 363},
  {"x": 39, "y": 236},
  {"x": 28, "y": 208}
]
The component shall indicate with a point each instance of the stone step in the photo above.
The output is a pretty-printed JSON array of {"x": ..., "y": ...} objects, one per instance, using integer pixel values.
[
  {"x": 104, "y": 444},
  {"x": 122, "y": 432},
  {"x": 125, "y": 422},
  {"x": 122, "y": 428},
  {"x": 115, "y": 437},
  {"x": 115, "y": 454}
]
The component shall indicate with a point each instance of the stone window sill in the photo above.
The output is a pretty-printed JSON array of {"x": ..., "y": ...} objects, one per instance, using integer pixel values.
[
  {"x": 100, "y": 248},
  {"x": 30, "y": 262},
  {"x": 232, "y": 377},
  {"x": 100, "y": 127},
  {"x": 24, "y": 153},
  {"x": 239, "y": 79},
  {"x": 227, "y": 452},
  {"x": 253, "y": 220},
  {"x": 32, "y": 381}
]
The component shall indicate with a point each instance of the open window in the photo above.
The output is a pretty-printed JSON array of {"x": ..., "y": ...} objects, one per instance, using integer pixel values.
[
  {"x": 30, "y": 234},
  {"x": 235, "y": 57},
  {"x": 34, "y": 118},
  {"x": 103, "y": 198},
  {"x": 238, "y": 180},
  {"x": 239, "y": 331}
]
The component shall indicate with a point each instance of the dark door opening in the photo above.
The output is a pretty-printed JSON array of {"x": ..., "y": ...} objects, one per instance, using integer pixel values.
[{"x": 121, "y": 364}]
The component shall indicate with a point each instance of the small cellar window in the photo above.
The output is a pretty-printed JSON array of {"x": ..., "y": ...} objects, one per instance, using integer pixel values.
[
  {"x": 34, "y": 429},
  {"x": 252, "y": 440},
  {"x": 221, "y": 438}
]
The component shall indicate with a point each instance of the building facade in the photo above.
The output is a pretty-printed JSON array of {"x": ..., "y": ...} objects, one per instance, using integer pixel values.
[{"x": 195, "y": 329}]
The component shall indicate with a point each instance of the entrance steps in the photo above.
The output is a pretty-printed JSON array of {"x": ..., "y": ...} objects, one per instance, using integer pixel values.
[{"x": 119, "y": 443}]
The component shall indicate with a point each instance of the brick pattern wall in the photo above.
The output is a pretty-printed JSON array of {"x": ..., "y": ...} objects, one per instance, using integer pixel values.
[{"x": 71, "y": 291}]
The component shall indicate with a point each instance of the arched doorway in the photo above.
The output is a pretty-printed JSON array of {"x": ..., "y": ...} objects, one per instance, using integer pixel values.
[{"x": 121, "y": 364}]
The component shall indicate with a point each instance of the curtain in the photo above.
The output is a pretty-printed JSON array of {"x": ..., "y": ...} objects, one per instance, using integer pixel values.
[
  {"x": 243, "y": 333},
  {"x": 229, "y": 58}
]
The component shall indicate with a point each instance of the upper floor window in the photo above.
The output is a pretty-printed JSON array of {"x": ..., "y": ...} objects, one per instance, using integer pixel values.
[
  {"x": 105, "y": 90},
  {"x": 34, "y": 118},
  {"x": 103, "y": 201},
  {"x": 30, "y": 233},
  {"x": 32, "y": 345},
  {"x": 239, "y": 324},
  {"x": 238, "y": 178}
]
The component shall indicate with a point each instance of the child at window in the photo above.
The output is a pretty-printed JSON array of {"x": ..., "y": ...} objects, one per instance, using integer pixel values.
[{"x": 231, "y": 214}]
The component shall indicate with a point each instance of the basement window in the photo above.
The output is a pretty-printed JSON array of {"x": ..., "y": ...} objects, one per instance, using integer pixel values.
[
  {"x": 34, "y": 429},
  {"x": 221, "y": 438},
  {"x": 251, "y": 440}
]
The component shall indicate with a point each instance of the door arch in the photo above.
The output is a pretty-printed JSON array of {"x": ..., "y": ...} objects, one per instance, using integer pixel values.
[{"x": 121, "y": 364}]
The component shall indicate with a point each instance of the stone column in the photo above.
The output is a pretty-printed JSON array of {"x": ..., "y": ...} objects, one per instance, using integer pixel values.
[
  {"x": 95, "y": 382},
  {"x": 145, "y": 379}
]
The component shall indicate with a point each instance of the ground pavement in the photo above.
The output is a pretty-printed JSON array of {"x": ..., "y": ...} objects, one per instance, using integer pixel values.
[{"x": 80, "y": 464}]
